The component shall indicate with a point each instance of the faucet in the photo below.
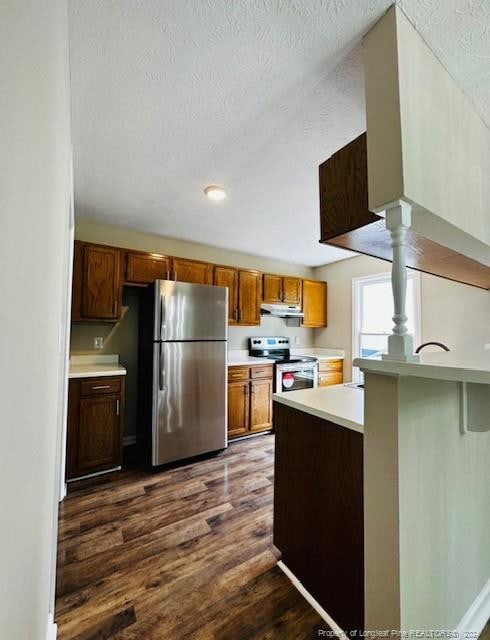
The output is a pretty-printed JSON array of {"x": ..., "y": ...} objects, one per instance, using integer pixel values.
[{"x": 436, "y": 344}]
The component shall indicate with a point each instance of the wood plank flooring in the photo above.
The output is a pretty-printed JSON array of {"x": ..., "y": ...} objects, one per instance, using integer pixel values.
[{"x": 184, "y": 553}]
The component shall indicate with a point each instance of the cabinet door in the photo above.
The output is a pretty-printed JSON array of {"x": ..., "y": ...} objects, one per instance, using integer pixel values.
[
  {"x": 272, "y": 291},
  {"x": 99, "y": 434},
  {"x": 260, "y": 405},
  {"x": 238, "y": 408},
  {"x": 77, "y": 278},
  {"x": 228, "y": 277},
  {"x": 314, "y": 303},
  {"x": 328, "y": 379},
  {"x": 249, "y": 297},
  {"x": 101, "y": 285},
  {"x": 192, "y": 271},
  {"x": 291, "y": 290},
  {"x": 144, "y": 268}
]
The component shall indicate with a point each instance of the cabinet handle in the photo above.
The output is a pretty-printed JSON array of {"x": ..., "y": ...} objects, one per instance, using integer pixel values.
[
  {"x": 103, "y": 386},
  {"x": 239, "y": 315},
  {"x": 114, "y": 311},
  {"x": 117, "y": 407},
  {"x": 175, "y": 276},
  {"x": 168, "y": 274}
]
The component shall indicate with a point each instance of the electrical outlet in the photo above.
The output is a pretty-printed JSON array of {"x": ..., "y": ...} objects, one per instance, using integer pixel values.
[
  {"x": 98, "y": 343},
  {"x": 296, "y": 339}
]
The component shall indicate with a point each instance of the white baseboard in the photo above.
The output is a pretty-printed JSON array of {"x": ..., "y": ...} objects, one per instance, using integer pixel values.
[
  {"x": 52, "y": 628},
  {"x": 477, "y": 616},
  {"x": 129, "y": 440},
  {"x": 311, "y": 600}
]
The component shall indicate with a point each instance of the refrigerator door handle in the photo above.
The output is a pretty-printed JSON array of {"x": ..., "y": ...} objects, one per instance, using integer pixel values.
[
  {"x": 162, "y": 317},
  {"x": 161, "y": 373}
]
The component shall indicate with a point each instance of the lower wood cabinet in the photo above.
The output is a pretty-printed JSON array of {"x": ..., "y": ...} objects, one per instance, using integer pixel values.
[
  {"x": 249, "y": 399},
  {"x": 260, "y": 404},
  {"x": 95, "y": 425},
  {"x": 330, "y": 372}
]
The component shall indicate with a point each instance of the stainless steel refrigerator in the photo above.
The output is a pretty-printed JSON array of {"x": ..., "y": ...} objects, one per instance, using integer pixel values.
[{"x": 183, "y": 344}]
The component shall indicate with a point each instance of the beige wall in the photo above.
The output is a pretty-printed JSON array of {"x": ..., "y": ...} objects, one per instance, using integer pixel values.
[
  {"x": 122, "y": 338},
  {"x": 93, "y": 231},
  {"x": 453, "y": 313},
  {"x": 35, "y": 190}
]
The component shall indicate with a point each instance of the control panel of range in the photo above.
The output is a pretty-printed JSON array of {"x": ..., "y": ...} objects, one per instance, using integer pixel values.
[{"x": 269, "y": 343}]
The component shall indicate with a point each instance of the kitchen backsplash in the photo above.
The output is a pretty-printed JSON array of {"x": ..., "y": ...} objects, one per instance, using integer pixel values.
[{"x": 238, "y": 336}]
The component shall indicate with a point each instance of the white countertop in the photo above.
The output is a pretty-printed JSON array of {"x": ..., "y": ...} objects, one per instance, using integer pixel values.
[
  {"x": 319, "y": 352},
  {"x": 95, "y": 366},
  {"x": 338, "y": 403},
  {"x": 238, "y": 359},
  {"x": 467, "y": 366}
]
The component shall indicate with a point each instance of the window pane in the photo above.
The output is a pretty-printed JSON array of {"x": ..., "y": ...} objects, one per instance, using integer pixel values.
[
  {"x": 376, "y": 307},
  {"x": 372, "y": 346},
  {"x": 410, "y": 306}
]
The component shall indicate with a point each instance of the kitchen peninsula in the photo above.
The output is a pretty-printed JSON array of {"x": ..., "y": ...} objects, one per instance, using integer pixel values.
[{"x": 318, "y": 496}]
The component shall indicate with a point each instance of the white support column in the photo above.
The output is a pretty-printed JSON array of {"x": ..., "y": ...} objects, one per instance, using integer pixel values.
[{"x": 400, "y": 343}]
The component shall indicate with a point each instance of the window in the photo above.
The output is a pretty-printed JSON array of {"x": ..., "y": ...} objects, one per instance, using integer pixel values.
[{"x": 372, "y": 308}]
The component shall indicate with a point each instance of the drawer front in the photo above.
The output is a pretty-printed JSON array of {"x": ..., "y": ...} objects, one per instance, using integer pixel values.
[
  {"x": 100, "y": 386},
  {"x": 264, "y": 371},
  {"x": 237, "y": 374},
  {"x": 327, "y": 379},
  {"x": 330, "y": 365}
]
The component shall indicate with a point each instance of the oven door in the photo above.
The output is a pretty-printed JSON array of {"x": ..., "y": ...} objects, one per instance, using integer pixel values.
[{"x": 295, "y": 378}]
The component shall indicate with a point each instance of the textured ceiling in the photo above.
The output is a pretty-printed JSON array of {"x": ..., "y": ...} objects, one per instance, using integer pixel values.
[{"x": 169, "y": 96}]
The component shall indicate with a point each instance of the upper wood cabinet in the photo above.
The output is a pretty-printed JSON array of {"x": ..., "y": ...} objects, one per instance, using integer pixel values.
[
  {"x": 249, "y": 297},
  {"x": 193, "y": 271},
  {"x": 314, "y": 304},
  {"x": 97, "y": 289},
  {"x": 292, "y": 290},
  {"x": 272, "y": 291},
  {"x": 285, "y": 289},
  {"x": 144, "y": 268},
  {"x": 228, "y": 277}
]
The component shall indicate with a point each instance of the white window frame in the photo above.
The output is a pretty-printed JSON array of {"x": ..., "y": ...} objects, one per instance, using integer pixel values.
[{"x": 357, "y": 284}]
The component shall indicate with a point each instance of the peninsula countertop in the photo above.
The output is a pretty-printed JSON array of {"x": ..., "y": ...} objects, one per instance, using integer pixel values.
[
  {"x": 459, "y": 366},
  {"x": 338, "y": 403}
]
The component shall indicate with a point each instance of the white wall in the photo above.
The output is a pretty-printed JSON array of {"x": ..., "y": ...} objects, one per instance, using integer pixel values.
[
  {"x": 453, "y": 313},
  {"x": 34, "y": 204},
  {"x": 426, "y": 143},
  {"x": 426, "y": 506}
]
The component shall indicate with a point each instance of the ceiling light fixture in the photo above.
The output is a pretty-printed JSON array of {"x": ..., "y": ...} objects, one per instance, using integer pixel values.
[{"x": 214, "y": 192}]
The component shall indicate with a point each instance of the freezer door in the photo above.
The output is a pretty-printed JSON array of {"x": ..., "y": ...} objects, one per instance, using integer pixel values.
[
  {"x": 189, "y": 400},
  {"x": 186, "y": 311}
]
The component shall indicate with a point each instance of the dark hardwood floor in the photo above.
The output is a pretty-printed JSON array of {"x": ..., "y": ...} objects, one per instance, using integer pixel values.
[{"x": 185, "y": 553}]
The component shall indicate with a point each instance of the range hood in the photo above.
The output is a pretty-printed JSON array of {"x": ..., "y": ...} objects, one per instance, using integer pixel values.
[{"x": 281, "y": 310}]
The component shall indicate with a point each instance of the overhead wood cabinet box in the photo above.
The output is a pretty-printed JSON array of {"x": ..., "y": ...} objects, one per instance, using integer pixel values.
[{"x": 418, "y": 150}]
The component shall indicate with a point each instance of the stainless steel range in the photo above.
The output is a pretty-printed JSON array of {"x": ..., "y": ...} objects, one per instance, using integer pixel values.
[{"x": 292, "y": 372}]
